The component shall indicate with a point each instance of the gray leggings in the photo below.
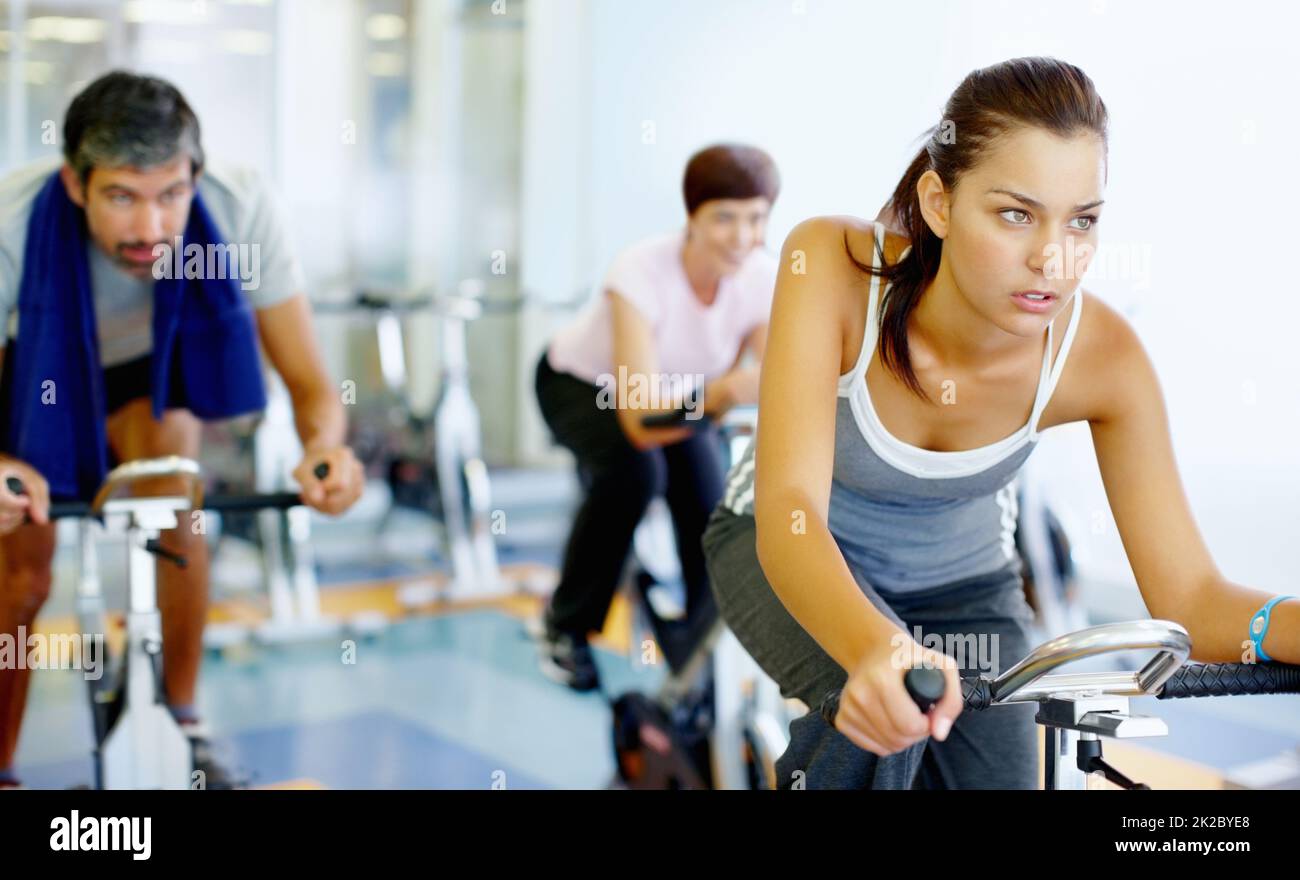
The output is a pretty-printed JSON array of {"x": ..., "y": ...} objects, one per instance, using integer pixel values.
[{"x": 990, "y": 749}]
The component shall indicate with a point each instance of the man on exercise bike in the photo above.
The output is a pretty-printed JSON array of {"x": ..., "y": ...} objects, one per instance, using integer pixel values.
[{"x": 135, "y": 286}]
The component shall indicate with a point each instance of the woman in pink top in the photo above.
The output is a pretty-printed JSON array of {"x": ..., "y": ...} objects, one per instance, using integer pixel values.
[{"x": 668, "y": 333}]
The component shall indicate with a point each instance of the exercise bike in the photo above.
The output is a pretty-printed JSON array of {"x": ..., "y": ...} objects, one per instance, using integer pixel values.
[
  {"x": 721, "y": 722},
  {"x": 434, "y": 465},
  {"x": 138, "y": 744},
  {"x": 717, "y": 720},
  {"x": 1078, "y": 710}
]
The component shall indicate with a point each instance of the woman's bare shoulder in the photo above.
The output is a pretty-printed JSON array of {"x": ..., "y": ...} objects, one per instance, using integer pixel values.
[
  {"x": 1107, "y": 358},
  {"x": 852, "y": 237},
  {"x": 1104, "y": 334}
]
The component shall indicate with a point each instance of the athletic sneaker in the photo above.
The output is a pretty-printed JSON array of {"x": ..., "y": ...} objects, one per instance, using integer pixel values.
[
  {"x": 567, "y": 659},
  {"x": 216, "y": 775}
]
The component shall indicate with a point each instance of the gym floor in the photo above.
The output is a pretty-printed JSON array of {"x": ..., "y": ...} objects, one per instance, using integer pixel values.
[{"x": 451, "y": 696}]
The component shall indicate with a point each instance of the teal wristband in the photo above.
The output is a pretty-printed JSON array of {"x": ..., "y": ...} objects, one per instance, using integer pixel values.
[{"x": 1259, "y": 626}]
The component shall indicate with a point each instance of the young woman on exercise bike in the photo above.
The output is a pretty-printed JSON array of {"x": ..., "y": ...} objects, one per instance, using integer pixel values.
[
  {"x": 907, "y": 377},
  {"x": 674, "y": 311}
]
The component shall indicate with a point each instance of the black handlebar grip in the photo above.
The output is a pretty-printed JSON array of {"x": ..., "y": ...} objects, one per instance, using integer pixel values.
[
  {"x": 1227, "y": 679},
  {"x": 675, "y": 417},
  {"x": 925, "y": 686},
  {"x": 976, "y": 692},
  {"x": 56, "y": 510},
  {"x": 664, "y": 419},
  {"x": 322, "y": 470}
]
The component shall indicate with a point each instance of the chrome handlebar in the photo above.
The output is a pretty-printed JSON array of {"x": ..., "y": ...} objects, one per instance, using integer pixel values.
[{"x": 1028, "y": 680}]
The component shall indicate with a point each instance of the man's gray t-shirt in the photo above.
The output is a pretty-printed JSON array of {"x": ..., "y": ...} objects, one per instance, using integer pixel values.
[{"x": 243, "y": 209}]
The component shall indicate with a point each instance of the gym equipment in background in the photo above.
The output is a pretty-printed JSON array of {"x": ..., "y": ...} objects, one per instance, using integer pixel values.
[
  {"x": 435, "y": 464},
  {"x": 1051, "y": 584}
]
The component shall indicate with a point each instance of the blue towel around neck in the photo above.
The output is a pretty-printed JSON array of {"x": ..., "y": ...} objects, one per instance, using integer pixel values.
[{"x": 205, "y": 353}]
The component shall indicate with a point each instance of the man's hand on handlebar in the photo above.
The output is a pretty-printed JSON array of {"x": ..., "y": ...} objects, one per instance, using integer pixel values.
[
  {"x": 32, "y": 500},
  {"x": 877, "y": 713},
  {"x": 331, "y": 479}
]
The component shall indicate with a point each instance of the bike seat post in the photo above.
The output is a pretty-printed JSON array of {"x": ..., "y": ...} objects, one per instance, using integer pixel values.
[
  {"x": 147, "y": 518},
  {"x": 90, "y": 591},
  {"x": 145, "y": 748},
  {"x": 392, "y": 353}
]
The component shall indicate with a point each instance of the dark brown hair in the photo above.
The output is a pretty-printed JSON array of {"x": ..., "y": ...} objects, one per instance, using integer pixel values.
[
  {"x": 126, "y": 120},
  {"x": 989, "y": 103},
  {"x": 729, "y": 171}
]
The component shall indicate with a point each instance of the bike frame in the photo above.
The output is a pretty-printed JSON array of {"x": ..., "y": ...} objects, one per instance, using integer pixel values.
[{"x": 145, "y": 747}]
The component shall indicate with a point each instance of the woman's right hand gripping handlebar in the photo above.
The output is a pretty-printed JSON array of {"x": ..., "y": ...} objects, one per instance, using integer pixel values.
[
  {"x": 879, "y": 713},
  {"x": 24, "y": 495}
]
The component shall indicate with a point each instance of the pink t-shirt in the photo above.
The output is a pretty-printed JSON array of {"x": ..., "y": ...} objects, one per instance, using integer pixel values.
[{"x": 690, "y": 337}]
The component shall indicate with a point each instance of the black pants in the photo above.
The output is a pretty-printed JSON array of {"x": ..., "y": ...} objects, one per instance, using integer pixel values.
[
  {"x": 618, "y": 483},
  {"x": 123, "y": 383}
]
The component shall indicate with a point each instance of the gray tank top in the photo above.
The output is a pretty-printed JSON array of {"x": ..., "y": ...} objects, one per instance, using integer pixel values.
[{"x": 907, "y": 518}]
